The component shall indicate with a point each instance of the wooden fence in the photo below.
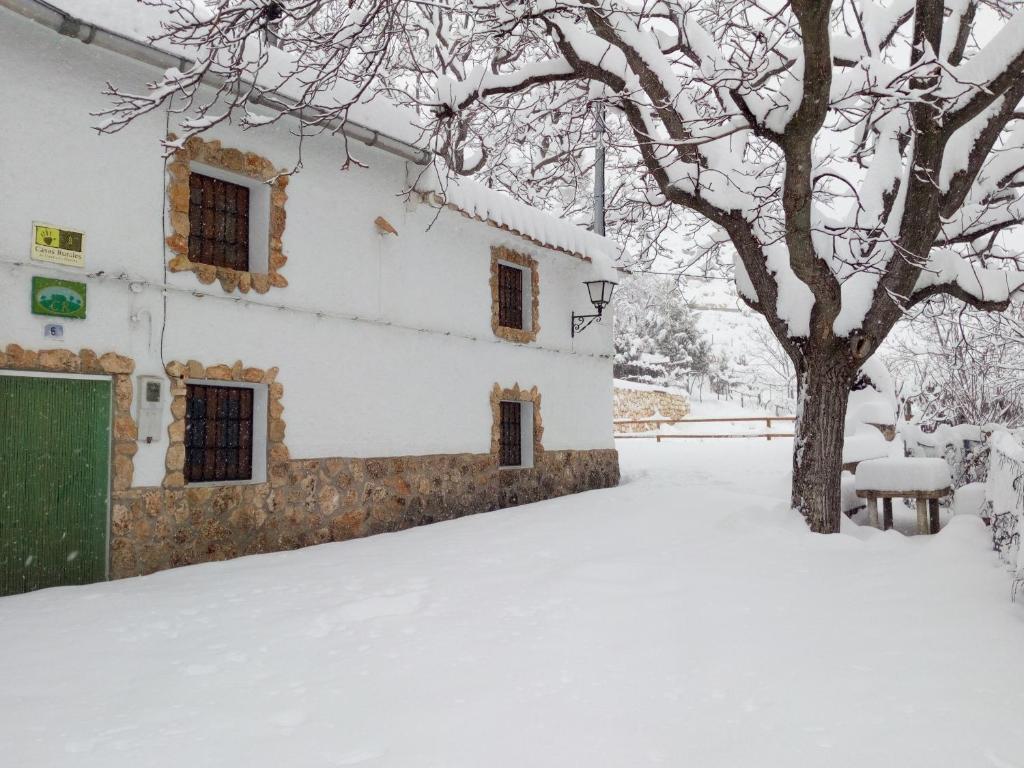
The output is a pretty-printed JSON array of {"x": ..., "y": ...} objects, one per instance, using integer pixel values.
[{"x": 659, "y": 437}]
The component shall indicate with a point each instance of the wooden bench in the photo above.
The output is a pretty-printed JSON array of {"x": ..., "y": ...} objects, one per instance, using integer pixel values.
[
  {"x": 927, "y": 507},
  {"x": 925, "y": 480}
]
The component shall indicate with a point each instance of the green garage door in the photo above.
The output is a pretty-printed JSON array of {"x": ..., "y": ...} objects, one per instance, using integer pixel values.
[{"x": 54, "y": 480}]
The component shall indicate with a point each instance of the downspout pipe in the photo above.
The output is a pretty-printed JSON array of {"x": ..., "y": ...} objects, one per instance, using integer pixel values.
[
  {"x": 70, "y": 26},
  {"x": 599, "y": 172}
]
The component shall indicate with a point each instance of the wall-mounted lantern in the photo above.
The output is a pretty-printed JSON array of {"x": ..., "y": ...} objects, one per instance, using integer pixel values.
[{"x": 600, "y": 296}]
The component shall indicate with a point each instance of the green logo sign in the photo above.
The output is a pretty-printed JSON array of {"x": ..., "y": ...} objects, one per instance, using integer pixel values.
[{"x": 58, "y": 298}]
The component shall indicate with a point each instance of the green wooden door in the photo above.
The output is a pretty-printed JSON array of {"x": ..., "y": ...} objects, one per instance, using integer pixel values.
[{"x": 54, "y": 480}]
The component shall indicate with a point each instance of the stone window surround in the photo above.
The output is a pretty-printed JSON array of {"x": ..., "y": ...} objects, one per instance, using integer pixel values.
[
  {"x": 500, "y": 253},
  {"x": 277, "y": 456},
  {"x": 520, "y": 394},
  {"x": 233, "y": 161},
  {"x": 124, "y": 433}
]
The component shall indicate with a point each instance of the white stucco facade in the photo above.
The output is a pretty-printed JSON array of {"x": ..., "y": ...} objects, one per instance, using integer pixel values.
[{"x": 384, "y": 343}]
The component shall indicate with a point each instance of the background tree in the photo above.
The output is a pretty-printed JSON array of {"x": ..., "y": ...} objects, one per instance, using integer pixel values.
[
  {"x": 960, "y": 366},
  {"x": 657, "y": 339},
  {"x": 860, "y": 158},
  {"x": 770, "y": 365}
]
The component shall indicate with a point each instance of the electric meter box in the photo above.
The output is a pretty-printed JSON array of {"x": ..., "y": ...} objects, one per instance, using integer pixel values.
[{"x": 150, "y": 411}]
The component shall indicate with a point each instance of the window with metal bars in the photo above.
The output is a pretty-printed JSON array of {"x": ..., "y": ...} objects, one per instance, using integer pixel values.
[
  {"x": 218, "y": 217},
  {"x": 510, "y": 296},
  {"x": 218, "y": 433},
  {"x": 510, "y": 452}
]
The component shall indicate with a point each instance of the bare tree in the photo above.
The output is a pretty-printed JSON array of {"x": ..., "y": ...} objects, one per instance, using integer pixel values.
[
  {"x": 859, "y": 157},
  {"x": 961, "y": 366},
  {"x": 773, "y": 366}
]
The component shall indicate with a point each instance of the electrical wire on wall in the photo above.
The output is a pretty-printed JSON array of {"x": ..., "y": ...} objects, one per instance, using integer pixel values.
[
  {"x": 164, "y": 213},
  {"x": 139, "y": 284}
]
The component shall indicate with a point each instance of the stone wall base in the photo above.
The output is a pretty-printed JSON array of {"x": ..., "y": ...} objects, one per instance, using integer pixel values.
[
  {"x": 333, "y": 499},
  {"x": 647, "y": 404}
]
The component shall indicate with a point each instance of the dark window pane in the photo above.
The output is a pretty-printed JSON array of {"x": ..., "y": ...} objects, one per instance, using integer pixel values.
[
  {"x": 511, "y": 434},
  {"x": 218, "y": 214},
  {"x": 510, "y": 296},
  {"x": 218, "y": 433}
]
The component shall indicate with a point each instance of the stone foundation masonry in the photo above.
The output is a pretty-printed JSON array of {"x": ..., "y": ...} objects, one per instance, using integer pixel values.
[
  {"x": 333, "y": 499},
  {"x": 312, "y": 501}
]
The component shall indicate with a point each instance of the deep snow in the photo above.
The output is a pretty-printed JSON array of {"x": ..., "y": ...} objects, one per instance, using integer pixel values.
[{"x": 686, "y": 618}]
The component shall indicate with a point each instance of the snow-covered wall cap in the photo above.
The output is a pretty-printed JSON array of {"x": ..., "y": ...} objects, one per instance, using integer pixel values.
[
  {"x": 501, "y": 211},
  {"x": 641, "y": 387},
  {"x": 138, "y": 23}
]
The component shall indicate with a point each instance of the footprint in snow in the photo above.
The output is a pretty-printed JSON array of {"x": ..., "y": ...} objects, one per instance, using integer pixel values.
[
  {"x": 289, "y": 718},
  {"x": 194, "y": 670},
  {"x": 356, "y": 757},
  {"x": 364, "y": 610}
]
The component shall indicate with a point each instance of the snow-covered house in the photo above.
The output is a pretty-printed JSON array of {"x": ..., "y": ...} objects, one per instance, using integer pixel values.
[{"x": 201, "y": 358}]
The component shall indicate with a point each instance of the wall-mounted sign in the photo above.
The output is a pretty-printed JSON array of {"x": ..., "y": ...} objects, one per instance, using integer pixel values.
[
  {"x": 60, "y": 298},
  {"x": 53, "y": 331},
  {"x": 58, "y": 246}
]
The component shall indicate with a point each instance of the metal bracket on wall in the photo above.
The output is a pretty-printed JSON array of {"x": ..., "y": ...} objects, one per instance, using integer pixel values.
[{"x": 581, "y": 322}]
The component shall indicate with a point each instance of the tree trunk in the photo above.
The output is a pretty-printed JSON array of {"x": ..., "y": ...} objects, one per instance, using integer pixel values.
[{"x": 823, "y": 389}]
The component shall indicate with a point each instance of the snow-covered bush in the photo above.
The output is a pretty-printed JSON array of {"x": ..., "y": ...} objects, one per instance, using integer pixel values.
[
  {"x": 970, "y": 499},
  {"x": 1005, "y": 490},
  {"x": 965, "y": 448}
]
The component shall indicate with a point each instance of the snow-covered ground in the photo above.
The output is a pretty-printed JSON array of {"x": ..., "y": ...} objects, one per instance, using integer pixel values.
[{"x": 685, "y": 618}]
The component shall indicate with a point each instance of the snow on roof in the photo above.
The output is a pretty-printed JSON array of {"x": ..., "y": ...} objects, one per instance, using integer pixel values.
[
  {"x": 499, "y": 210},
  {"x": 140, "y": 23},
  {"x": 898, "y": 474}
]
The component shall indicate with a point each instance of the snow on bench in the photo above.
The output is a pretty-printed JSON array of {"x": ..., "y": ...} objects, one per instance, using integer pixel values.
[
  {"x": 900, "y": 474},
  {"x": 865, "y": 445},
  {"x": 924, "y": 480}
]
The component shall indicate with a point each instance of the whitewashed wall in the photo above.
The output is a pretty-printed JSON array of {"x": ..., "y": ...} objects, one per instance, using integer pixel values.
[{"x": 352, "y": 388}]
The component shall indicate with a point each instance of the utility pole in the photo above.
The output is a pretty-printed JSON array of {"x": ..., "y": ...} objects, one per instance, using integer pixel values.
[{"x": 599, "y": 171}]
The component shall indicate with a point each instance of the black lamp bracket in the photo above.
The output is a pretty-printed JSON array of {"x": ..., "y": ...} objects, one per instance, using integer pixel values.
[{"x": 580, "y": 322}]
